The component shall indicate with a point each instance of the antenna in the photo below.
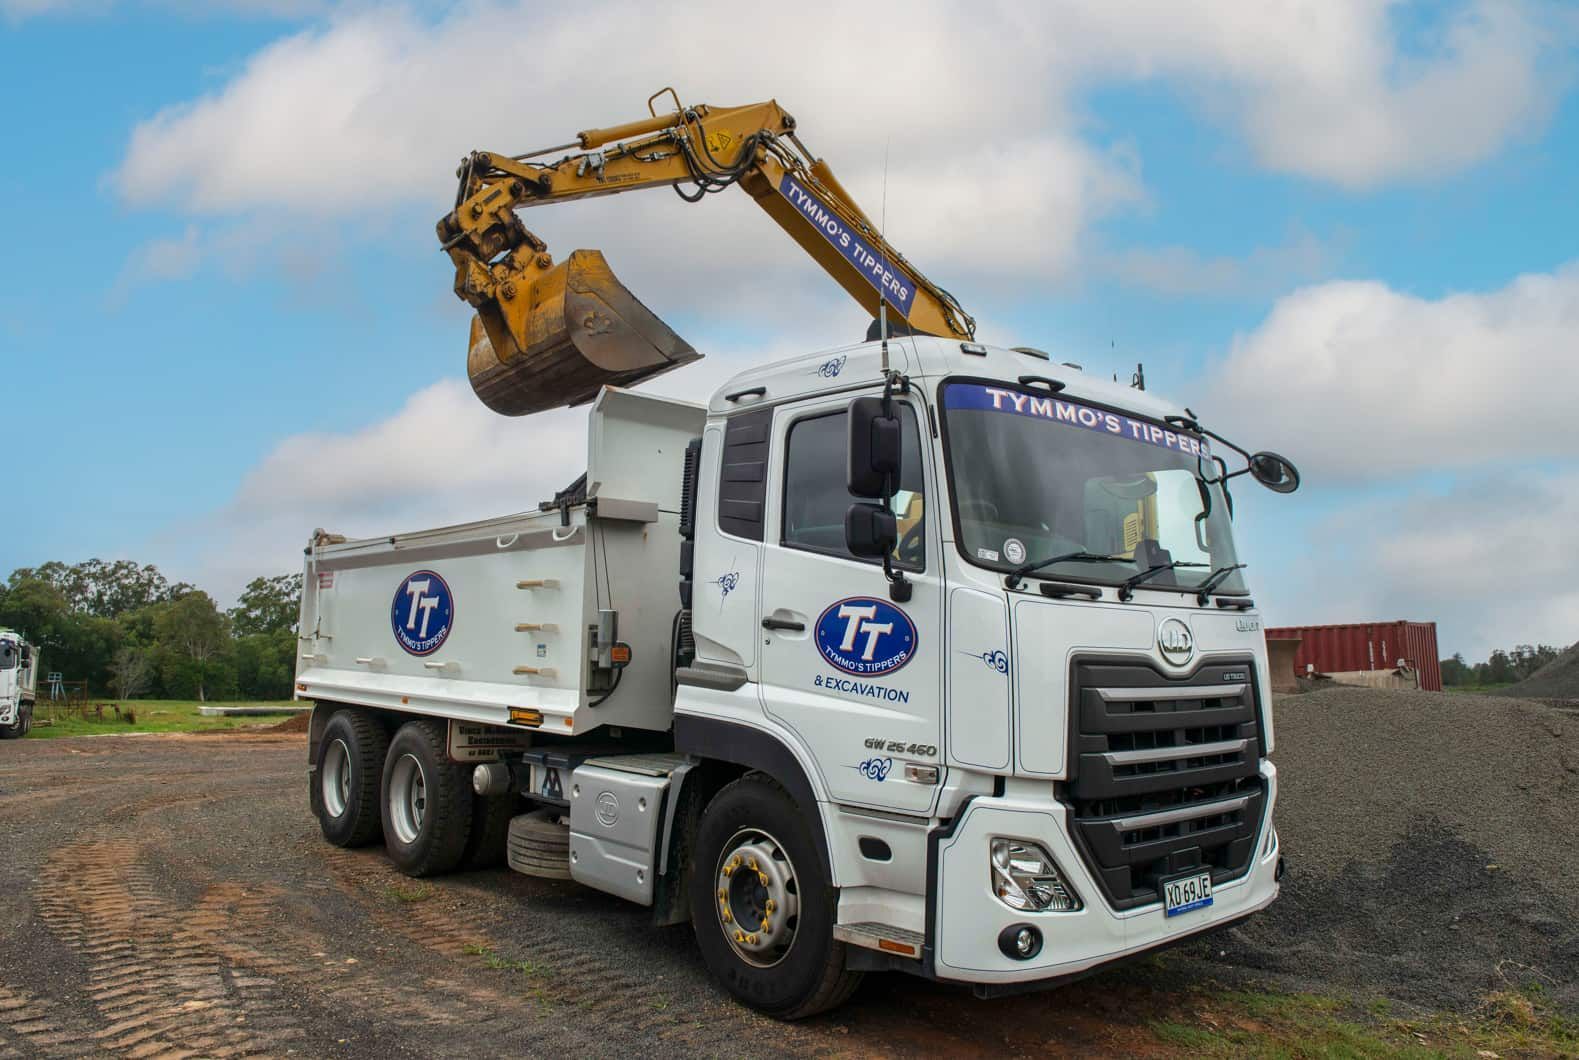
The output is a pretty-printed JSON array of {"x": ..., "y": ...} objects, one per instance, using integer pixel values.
[{"x": 882, "y": 237}]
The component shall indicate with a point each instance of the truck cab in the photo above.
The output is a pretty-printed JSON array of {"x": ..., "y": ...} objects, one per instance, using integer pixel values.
[
  {"x": 1012, "y": 770},
  {"x": 18, "y": 685}
]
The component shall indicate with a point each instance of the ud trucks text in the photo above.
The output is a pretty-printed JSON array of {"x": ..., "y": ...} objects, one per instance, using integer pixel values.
[{"x": 919, "y": 654}]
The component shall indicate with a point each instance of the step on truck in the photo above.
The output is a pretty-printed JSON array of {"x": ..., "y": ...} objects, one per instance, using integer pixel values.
[
  {"x": 18, "y": 685},
  {"x": 924, "y": 655}
]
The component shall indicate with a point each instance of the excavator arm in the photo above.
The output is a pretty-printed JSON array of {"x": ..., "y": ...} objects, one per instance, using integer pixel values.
[{"x": 547, "y": 335}]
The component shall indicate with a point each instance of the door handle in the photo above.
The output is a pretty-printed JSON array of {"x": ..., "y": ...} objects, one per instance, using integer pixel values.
[{"x": 787, "y": 624}]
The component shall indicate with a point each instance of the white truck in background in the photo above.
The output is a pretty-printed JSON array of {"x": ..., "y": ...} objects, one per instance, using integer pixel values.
[
  {"x": 18, "y": 685},
  {"x": 962, "y": 678}
]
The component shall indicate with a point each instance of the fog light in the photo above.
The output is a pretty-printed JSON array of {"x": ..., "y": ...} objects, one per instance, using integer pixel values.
[
  {"x": 1025, "y": 878},
  {"x": 1020, "y": 942}
]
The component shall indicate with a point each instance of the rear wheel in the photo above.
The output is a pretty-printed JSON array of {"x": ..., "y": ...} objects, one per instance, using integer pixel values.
[
  {"x": 427, "y": 801},
  {"x": 761, "y": 905},
  {"x": 345, "y": 785},
  {"x": 490, "y": 826}
]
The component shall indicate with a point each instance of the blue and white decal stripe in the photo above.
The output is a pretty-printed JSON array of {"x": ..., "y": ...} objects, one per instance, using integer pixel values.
[
  {"x": 879, "y": 271},
  {"x": 1071, "y": 414}
]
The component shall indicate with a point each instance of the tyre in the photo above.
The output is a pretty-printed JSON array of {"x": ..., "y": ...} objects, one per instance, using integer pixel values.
[
  {"x": 539, "y": 845},
  {"x": 345, "y": 786},
  {"x": 427, "y": 801},
  {"x": 761, "y": 905},
  {"x": 18, "y": 728},
  {"x": 490, "y": 827}
]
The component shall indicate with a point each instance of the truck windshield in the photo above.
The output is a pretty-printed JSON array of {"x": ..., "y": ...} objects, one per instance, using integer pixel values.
[
  {"x": 1036, "y": 476},
  {"x": 8, "y": 655}
]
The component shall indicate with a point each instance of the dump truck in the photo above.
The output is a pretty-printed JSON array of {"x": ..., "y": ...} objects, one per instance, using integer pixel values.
[
  {"x": 18, "y": 684},
  {"x": 918, "y": 654}
]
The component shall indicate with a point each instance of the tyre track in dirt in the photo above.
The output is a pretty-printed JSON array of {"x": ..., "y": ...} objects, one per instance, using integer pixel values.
[
  {"x": 189, "y": 907},
  {"x": 589, "y": 984}
]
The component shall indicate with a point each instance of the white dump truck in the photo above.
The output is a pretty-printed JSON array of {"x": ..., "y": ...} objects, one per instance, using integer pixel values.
[
  {"x": 18, "y": 684},
  {"x": 962, "y": 677}
]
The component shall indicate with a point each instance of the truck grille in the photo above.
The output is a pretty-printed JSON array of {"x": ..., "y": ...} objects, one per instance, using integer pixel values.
[{"x": 1165, "y": 774}]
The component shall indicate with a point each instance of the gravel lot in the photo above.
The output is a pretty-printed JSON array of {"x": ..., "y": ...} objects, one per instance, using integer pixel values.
[
  {"x": 1433, "y": 847},
  {"x": 170, "y": 895}
]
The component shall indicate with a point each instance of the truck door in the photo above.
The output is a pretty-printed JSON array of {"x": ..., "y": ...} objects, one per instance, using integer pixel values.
[{"x": 854, "y": 674}]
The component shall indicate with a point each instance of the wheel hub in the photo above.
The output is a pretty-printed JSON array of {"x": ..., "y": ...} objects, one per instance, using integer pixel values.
[
  {"x": 408, "y": 798},
  {"x": 758, "y": 899},
  {"x": 337, "y": 779}
]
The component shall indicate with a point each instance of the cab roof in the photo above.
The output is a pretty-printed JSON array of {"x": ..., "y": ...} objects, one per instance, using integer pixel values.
[{"x": 924, "y": 357}]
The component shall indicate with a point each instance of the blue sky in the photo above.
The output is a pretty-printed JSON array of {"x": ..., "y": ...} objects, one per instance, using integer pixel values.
[{"x": 222, "y": 307}]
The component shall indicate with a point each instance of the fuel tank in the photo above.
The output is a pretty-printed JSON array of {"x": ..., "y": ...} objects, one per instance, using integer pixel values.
[{"x": 582, "y": 330}]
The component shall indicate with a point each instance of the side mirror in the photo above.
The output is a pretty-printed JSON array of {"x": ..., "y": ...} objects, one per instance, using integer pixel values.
[
  {"x": 874, "y": 449},
  {"x": 1274, "y": 472},
  {"x": 27, "y": 654},
  {"x": 870, "y": 531}
]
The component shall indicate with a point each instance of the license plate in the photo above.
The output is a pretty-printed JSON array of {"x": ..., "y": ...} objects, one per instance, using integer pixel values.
[{"x": 1190, "y": 892}]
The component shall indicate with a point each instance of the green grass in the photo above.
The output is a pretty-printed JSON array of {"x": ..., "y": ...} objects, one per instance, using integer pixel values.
[
  {"x": 419, "y": 892},
  {"x": 152, "y": 715},
  {"x": 1241, "y": 1023}
]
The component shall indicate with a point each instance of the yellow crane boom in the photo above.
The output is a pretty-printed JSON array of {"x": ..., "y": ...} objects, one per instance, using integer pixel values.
[{"x": 547, "y": 335}]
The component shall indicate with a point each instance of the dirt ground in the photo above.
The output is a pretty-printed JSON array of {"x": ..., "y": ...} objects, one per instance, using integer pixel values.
[{"x": 170, "y": 895}]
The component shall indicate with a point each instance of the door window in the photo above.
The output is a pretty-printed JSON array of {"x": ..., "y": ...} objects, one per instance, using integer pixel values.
[{"x": 816, "y": 499}]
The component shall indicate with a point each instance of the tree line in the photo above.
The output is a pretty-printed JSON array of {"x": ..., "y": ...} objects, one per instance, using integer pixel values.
[
  {"x": 1501, "y": 668},
  {"x": 128, "y": 631}
]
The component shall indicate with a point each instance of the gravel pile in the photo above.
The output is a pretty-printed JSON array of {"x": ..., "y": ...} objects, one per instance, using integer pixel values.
[
  {"x": 1432, "y": 844},
  {"x": 1558, "y": 679}
]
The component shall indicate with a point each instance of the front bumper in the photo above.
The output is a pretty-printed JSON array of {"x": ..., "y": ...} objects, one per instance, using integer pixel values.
[{"x": 966, "y": 917}]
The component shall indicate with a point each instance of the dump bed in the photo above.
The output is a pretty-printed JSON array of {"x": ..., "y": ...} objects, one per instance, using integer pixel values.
[{"x": 501, "y": 621}]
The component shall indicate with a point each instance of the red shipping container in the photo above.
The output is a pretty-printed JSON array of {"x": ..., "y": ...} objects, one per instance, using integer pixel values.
[{"x": 1367, "y": 646}]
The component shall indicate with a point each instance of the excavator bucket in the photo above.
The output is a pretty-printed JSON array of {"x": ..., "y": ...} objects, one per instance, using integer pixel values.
[{"x": 582, "y": 331}]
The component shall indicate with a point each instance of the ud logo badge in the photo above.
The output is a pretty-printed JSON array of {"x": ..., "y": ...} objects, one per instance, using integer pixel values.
[
  {"x": 866, "y": 636},
  {"x": 422, "y": 613},
  {"x": 1176, "y": 641}
]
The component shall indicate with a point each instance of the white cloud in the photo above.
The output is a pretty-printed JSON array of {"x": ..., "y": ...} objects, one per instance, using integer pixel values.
[
  {"x": 1181, "y": 272},
  {"x": 369, "y": 109},
  {"x": 1327, "y": 89},
  {"x": 1354, "y": 380},
  {"x": 1486, "y": 559},
  {"x": 156, "y": 261}
]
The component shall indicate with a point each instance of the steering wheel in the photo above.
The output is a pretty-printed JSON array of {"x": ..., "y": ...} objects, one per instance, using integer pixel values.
[
  {"x": 912, "y": 546},
  {"x": 988, "y": 509}
]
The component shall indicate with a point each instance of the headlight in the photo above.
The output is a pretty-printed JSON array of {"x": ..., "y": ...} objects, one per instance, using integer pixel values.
[{"x": 1025, "y": 877}]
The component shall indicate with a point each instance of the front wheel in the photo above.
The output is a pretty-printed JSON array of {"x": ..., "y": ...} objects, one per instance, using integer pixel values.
[
  {"x": 761, "y": 905},
  {"x": 18, "y": 728}
]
